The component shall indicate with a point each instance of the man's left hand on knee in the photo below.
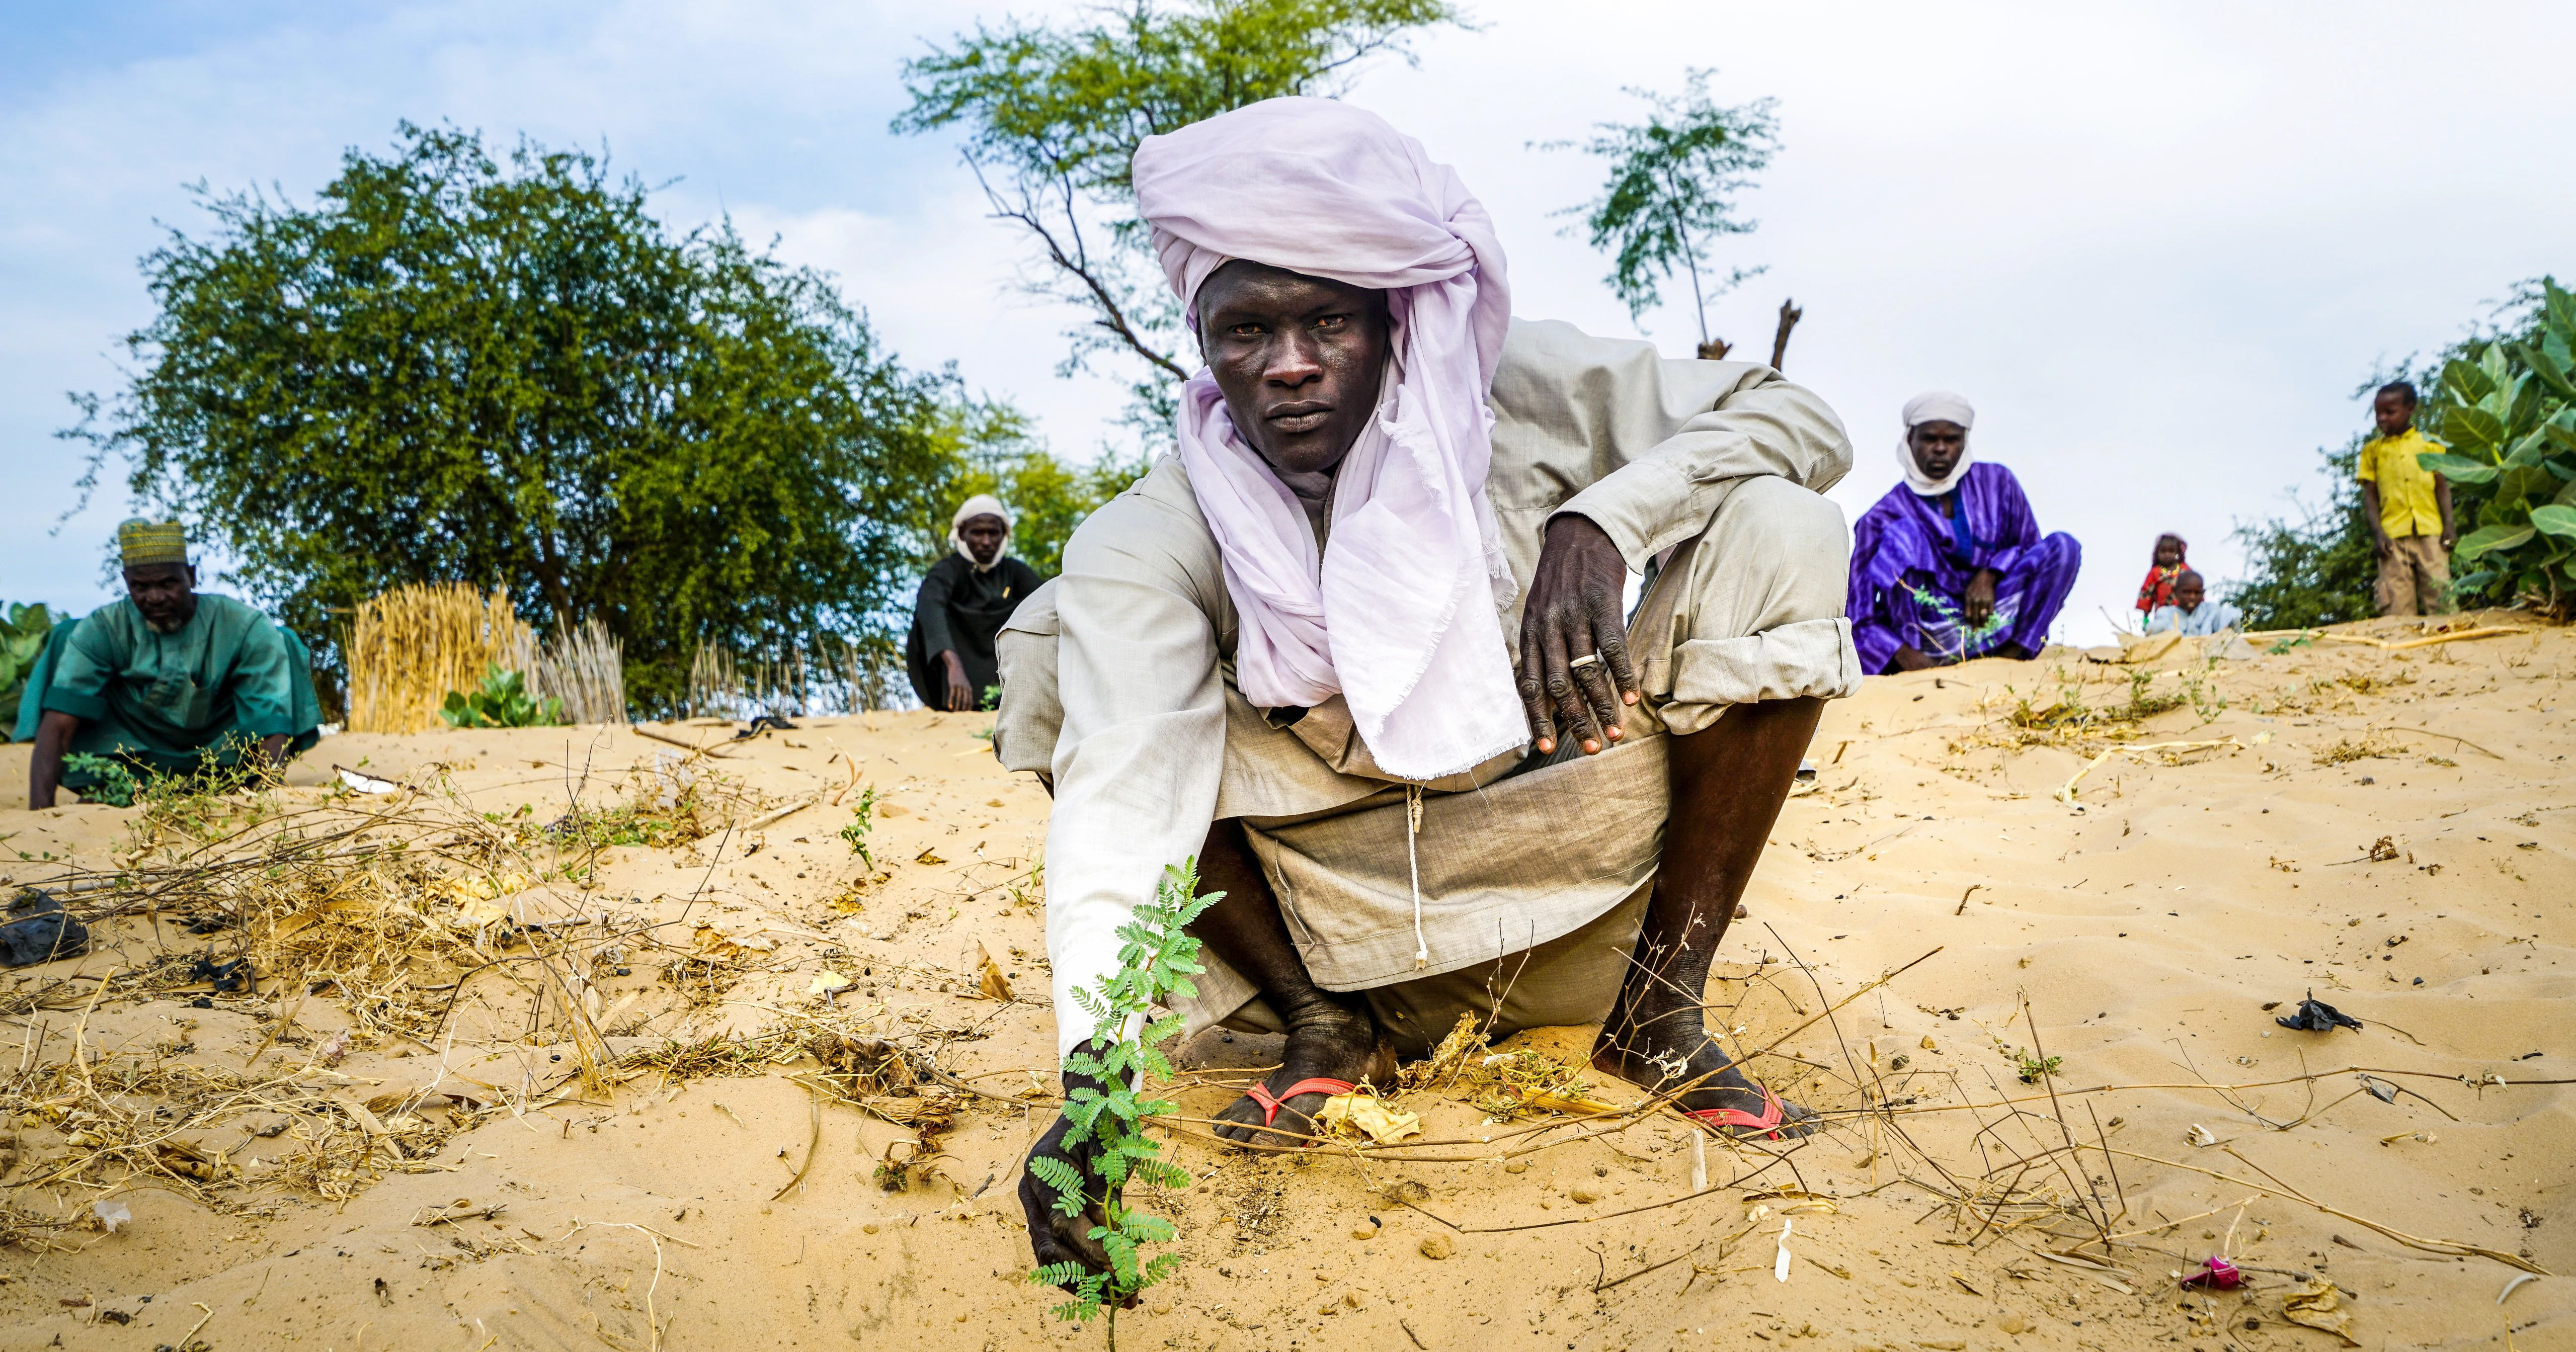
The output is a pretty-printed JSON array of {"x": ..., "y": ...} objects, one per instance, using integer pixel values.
[{"x": 1575, "y": 667}]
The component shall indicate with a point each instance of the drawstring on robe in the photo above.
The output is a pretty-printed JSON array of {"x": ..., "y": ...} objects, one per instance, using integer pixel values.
[{"x": 1412, "y": 828}]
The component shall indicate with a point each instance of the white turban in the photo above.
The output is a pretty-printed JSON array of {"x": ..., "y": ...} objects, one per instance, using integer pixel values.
[
  {"x": 1934, "y": 406},
  {"x": 1400, "y": 617},
  {"x": 982, "y": 504}
]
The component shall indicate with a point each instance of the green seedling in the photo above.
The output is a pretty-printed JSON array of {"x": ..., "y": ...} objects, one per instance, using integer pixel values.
[{"x": 1154, "y": 964}]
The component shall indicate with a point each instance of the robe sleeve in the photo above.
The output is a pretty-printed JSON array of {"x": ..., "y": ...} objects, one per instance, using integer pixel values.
[
  {"x": 2015, "y": 529},
  {"x": 1873, "y": 636},
  {"x": 930, "y": 608},
  {"x": 1668, "y": 439},
  {"x": 1143, "y": 742},
  {"x": 262, "y": 681},
  {"x": 90, "y": 659}
]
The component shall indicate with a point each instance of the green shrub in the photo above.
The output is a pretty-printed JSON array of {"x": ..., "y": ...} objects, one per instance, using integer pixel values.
[
  {"x": 2506, "y": 410},
  {"x": 501, "y": 702},
  {"x": 116, "y": 784},
  {"x": 22, "y": 640}
]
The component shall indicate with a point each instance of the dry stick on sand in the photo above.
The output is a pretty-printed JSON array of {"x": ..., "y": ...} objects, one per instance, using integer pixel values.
[
  {"x": 2066, "y": 795},
  {"x": 813, "y": 1146}
]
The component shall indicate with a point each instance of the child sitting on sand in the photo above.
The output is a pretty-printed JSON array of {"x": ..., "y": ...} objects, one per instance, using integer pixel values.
[
  {"x": 2158, "y": 589},
  {"x": 2191, "y": 614}
]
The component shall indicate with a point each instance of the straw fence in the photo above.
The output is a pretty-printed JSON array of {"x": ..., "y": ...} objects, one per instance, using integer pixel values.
[
  {"x": 411, "y": 645},
  {"x": 837, "y": 676}
]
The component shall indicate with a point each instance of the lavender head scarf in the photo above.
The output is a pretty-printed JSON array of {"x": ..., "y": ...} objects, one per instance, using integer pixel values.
[{"x": 1401, "y": 617}]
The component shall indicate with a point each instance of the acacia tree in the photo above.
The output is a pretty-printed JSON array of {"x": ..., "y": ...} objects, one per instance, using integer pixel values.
[
  {"x": 1671, "y": 193},
  {"x": 1052, "y": 116},
  {"x": 448, "y": 367}
]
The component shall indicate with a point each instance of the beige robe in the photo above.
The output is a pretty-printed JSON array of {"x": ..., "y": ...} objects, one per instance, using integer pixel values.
[{"x": 1115, "y": 682}]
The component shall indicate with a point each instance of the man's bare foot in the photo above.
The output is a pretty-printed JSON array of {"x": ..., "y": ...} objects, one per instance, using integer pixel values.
[
  {"x": 1660, "y": 1045},
  {"x": 1327, "y": 1042}
]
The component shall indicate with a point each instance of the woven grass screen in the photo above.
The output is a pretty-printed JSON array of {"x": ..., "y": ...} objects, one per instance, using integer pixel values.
[{"x": 411, "y": 645}]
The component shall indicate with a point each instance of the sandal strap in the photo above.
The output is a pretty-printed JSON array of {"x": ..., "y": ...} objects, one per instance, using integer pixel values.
[
  {"x": 1773, "y": 1114},
  {"x": 1271, "y": 1104}
]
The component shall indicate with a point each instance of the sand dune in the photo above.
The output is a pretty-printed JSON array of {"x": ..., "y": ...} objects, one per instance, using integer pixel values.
[{"x": 2388, "y": 829}]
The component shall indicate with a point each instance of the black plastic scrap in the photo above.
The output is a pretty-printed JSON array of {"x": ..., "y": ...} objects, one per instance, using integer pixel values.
[
  {"x": 764, "y": 723},
  {"x": 39, "y": 930},
  {"x": 2316, "y": 1016}
]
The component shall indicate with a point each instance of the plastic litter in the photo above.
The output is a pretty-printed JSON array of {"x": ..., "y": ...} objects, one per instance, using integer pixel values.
[
  {"x": 2316, "y": 1016},
  {"x": 111, "y": 1214},
  {"x": 39, "y": 930},
  {"x": 2217, "y": 1275}
]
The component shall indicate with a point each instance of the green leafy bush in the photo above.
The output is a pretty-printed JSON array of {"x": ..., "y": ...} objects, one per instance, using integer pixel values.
[
  {"x": 1154, "y": 964},
  {"x": 2506, "y": 408},
  {"x": 116, "y": 784},
  {"x": 22, "y": 639},
  {"x": 502, "y": 701}
]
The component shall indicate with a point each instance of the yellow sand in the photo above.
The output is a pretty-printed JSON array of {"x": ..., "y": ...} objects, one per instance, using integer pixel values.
[{"x": 2148, "y": 932}]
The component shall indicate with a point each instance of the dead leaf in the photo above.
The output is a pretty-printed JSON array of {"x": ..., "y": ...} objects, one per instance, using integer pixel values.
[
  {"x": 828, "y": 983},
  {"x": 1964, "y": 1285},
  {"x": 996, "y": 985},
  {"x": 2319, "y": 1305},
  {"x": 928, "y": 857},
  {"x": 1366, "y": 1114}
]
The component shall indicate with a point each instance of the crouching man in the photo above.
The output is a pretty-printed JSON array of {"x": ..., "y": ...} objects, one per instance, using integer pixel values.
[
  {"x": 1380, "y": 581},
  {"x": 166, "y": 681}
]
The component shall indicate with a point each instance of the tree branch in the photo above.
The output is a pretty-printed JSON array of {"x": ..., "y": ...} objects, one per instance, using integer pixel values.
[{"x": 1075, "y": 262}]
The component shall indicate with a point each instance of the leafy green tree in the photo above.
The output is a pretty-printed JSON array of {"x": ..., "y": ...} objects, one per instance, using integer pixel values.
[
  {"x": 1052, "y": 116},
  {"x": 1671, "y": 192},
  {"x": 2506, "y": 409},
  {"x": 992, "y": 449},
  {"x": 452, "y": 367}
]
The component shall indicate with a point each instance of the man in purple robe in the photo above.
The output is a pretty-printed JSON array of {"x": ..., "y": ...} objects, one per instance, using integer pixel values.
[{"x": 1950, "y": 564}]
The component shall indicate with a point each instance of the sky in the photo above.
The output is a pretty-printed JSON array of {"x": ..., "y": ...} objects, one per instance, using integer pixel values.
[{"x": 2157, "y": 245}]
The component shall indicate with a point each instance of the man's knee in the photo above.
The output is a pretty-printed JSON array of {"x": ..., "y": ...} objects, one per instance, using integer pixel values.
[{"x": 1780, "y": 554}]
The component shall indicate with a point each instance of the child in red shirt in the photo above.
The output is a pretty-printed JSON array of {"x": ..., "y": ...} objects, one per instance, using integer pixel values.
[{"x": 2159, "y": 587}]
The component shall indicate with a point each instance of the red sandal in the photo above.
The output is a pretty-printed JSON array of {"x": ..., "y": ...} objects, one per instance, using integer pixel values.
[
  {"x": 1271, "y": 1104},
  {"x": 1774, "y": 1113}
]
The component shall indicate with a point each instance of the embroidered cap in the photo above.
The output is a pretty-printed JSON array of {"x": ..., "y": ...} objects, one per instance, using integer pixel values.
[{"x": 141, "y": 543}]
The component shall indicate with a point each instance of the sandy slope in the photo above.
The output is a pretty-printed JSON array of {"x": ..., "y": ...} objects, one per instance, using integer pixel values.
[{"x": 2147, "y": 931}]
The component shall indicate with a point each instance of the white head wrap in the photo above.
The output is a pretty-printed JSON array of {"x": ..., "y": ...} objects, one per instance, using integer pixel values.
[
  {"x": 1400, "y": 617},
  {"x": 982, "y": 504},
  {"x": 1934, "y": 406}
]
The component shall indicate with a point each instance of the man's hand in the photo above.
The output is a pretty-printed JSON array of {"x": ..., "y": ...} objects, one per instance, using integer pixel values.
[
  {"x": 2450, "y": 539},
  {"x": 45, "y": 768},
  {"x": 1910, "y": 658},
  {"x": 1573, "y": 612},
  {"x": 1055, "y": 1237},
  {"x": 2380, "y": 545},
  {"x": 1979, "y": 603},
  {"x": 961, "y": 696}
]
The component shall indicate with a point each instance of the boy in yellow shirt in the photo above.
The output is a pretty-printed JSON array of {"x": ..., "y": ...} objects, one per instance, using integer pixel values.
[{"x": 2409, "y": 508}]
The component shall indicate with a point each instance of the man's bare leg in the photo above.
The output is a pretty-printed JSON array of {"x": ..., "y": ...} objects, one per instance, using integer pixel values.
[
  {"x": 1331, "y": 1034},
  {"x": 1728, "y": 782}
]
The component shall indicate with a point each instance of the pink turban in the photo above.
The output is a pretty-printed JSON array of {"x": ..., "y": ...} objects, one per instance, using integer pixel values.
[{"x": 1400, "y": 617}]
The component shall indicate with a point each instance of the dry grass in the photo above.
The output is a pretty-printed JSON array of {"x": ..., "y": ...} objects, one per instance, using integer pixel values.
[
  {"x": 411, "y": 645},
  {"x": 586, "y": 669}
]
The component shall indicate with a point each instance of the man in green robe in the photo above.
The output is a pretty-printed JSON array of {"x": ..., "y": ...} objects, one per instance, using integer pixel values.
[{"x": 166, "y": 681}]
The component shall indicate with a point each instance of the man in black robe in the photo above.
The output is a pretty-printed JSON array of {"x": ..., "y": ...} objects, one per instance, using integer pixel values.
[{"x": 964, "y": 602}]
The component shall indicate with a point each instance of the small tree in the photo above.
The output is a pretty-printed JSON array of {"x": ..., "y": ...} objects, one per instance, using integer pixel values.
[
  {"x": 1155, "y": 964},
  {"x": 1671, "y": 193},
  {"x": 1052, "y": 116}
]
